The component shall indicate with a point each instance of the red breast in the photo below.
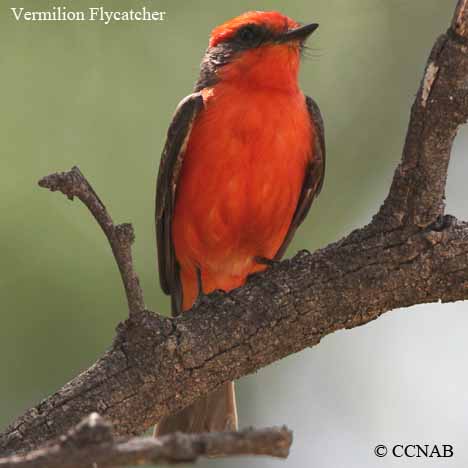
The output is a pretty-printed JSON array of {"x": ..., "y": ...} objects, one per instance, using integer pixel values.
[{"x": 244, "y": 166}]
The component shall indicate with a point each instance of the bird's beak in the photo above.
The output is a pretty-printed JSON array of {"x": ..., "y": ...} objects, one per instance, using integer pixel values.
[{"x": 298, "y": 34}]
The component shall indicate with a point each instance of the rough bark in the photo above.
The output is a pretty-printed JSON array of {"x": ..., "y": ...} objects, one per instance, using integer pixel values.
[
  {"x": 92, "y": 443},
  {"x": 120, "y": 236},
  {"x": 410, "y": 253}
]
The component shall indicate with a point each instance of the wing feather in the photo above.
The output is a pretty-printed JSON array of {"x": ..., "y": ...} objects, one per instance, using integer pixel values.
[
  {"x": 169, "y": 170},
  {"x": 315, "y": 174}
]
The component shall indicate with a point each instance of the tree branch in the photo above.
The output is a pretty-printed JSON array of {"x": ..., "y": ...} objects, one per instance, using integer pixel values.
[
  {"x": 409, "y": 254},
  {"x": 91, "y": 443},
  {"x": 441, "y": 106},
  {"x": 120, "y": 237}
]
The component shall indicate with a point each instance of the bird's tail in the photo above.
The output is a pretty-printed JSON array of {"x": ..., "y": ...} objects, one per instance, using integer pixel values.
[{"x": 215, "y": 412}]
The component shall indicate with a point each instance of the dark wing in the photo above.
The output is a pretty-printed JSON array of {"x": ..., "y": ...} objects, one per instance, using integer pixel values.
[
  {"x": 315, "y": 174},
  {"x": 169, "y": 169}
]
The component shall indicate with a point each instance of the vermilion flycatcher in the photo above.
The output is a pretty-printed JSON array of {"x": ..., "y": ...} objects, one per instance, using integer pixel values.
[{"x": 243, "y": 161}]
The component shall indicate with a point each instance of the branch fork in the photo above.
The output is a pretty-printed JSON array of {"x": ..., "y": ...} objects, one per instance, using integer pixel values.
[{"x": 121, "y": 236}]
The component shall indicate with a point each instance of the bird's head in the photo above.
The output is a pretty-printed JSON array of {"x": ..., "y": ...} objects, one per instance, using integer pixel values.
[{"x": 258, "y": 48}]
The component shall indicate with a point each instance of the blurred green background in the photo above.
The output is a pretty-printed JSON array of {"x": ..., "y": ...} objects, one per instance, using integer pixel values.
[{"x": 101, "y": 97}]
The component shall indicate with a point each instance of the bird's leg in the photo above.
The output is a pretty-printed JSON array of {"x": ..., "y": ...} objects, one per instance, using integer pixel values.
[
  {"x": 201, "y": 294},
  {"x": 199, "y": 281}
]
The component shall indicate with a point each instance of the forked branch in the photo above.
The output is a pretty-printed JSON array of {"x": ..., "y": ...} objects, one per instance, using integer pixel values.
[{"x": 120, "y": 236}]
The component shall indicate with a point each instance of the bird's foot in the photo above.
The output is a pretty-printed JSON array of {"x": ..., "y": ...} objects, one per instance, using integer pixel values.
[
  {"x": 203, "y": 298},
  {"x": 262, "y": 261},
  {"x": 266, "y": 261}
]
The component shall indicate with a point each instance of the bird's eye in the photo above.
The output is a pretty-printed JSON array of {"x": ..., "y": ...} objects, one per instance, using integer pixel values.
[{"x": 248, "y": 34}]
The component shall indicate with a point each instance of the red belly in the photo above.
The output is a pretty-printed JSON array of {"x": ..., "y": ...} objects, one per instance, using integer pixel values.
[{"x": 239, "y": 185}]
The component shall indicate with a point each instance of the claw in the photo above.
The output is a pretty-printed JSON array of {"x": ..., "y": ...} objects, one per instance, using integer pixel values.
[
  {"x": 203, "y": 298},
  {"x": 262, "y": 261},
  {"x": 266, "y": 261}
]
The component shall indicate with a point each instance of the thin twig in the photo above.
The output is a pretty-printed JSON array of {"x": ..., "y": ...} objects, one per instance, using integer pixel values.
[
  {"x": 120, "y": 236},
  {"x": 92, "y": 443}
]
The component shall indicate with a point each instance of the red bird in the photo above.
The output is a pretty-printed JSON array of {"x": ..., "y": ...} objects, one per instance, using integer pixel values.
[{"x": 243, "y": 161}]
